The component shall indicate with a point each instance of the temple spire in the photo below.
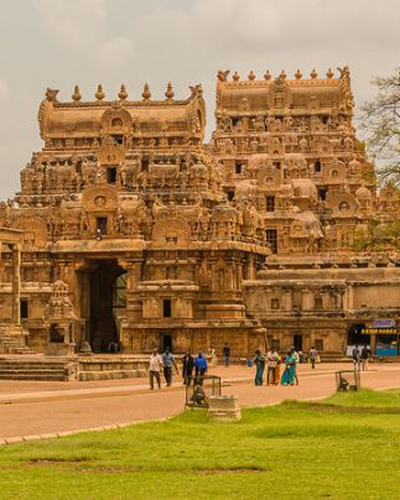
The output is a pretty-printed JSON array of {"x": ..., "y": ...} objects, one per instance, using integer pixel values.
[
  {"x": 76, "y": 96},
  {"x": 122, "y": 94},
  {"x": 169, "y": 94},
  {"x": 100, "y": 95},
  {"x": 146, "y": 94}
]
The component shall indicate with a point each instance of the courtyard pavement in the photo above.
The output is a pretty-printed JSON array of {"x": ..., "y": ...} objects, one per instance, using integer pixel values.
[{"x": 40, "y": 408}]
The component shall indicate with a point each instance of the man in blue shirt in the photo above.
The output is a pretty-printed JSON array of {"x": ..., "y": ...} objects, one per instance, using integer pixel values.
[
  {"x": 200, "y": 364},
  {"x": 168, "y": 362}
]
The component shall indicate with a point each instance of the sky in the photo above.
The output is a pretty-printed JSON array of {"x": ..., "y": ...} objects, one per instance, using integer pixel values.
[{"x": 60, "y": 43}]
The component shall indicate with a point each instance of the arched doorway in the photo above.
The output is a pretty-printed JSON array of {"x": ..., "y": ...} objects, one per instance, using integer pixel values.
[{"x": 105, "y": 287}]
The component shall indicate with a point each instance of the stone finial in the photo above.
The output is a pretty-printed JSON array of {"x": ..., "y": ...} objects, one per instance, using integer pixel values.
[
  {"x": 283, "y": 75},
  {"x": 267, "y": 75},
  {"x": 298, "y": 75},
  {"x": 236, "y": 76},
  {"x": 169, "y": 94},
  {"x": 76, "y": 96},
  {"x": 122, "y": 94},
  {"x": 313, "y": 74},
  {"x": 251, "y": 76},
  {"x": 146, "y": 94},
  {"x": 100, "y": 95},
  {"x": 222, "y": 75},
  {"x": 51, "y": 94},
  {"x": 329, "y": 73}
]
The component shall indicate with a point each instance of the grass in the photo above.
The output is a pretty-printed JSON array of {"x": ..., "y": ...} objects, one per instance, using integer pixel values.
[{"x": 347, "y": 446}]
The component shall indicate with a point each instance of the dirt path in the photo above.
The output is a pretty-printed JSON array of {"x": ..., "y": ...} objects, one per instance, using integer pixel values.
[{"x": 38, "y": 408}]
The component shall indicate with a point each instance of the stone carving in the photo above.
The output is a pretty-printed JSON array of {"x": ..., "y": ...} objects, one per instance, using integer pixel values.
[{"x": 162, "y": 238}]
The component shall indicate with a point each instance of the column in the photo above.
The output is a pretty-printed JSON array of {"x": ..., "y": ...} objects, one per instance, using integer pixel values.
[
  {"x": 16, "y": 283},
  {"x": 1, "y": 311}
]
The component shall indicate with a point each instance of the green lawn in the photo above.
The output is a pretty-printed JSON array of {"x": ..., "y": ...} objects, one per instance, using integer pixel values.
[{"x": 347, "y": 446}]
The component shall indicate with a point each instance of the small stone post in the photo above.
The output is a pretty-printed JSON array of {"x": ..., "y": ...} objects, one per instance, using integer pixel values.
[{"x": 224, "y": 408}]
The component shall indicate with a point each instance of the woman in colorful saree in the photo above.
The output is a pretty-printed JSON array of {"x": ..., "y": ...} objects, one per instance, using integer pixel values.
[
  {"x": 288, "y": 376},
  {"x": 259, "y": 361}
]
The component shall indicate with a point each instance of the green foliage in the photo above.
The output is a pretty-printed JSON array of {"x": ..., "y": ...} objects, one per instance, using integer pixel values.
[
  {"x": 344, "y": 447},
  {"x": 380, "y": 120},
  {"x": 379, "y": 237}
]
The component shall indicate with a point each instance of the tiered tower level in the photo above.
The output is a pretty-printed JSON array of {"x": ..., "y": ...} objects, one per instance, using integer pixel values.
[
  {"x": 289, "y": 147},
  {"x": 164, "y": 240}
]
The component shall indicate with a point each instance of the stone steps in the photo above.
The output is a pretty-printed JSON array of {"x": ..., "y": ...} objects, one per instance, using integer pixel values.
[
  {"x": 13, "y": 340},
  {"x": 85, "y": 376},
  {"x": 30, "y": 369}
]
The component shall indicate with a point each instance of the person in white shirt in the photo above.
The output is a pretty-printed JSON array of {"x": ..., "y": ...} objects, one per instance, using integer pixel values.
[{"x": 155, "y": 367}]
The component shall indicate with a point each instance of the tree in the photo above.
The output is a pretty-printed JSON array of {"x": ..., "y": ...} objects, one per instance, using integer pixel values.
[{"x": 380, "y": 120}]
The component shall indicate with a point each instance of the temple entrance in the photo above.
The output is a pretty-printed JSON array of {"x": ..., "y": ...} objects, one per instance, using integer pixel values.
[
  {"x": 298, "y": 342},
  {"x": 166, "y": 342},
  {"x": 105, "y": 282}
]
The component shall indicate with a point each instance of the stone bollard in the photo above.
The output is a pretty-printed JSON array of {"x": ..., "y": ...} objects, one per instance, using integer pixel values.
[{"x": 224, "y": 408}]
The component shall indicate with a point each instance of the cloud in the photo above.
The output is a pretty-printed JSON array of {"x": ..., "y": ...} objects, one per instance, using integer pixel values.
[
  {"x": 116, "y": 52},
  {"x": 75, "y": 22},
  {"x": 82, "y": 24},
  {"x": 3, "y": 89}
]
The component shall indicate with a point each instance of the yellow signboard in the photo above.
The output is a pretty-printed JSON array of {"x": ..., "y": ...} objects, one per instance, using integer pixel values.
[{"x": 379, "y": 331}]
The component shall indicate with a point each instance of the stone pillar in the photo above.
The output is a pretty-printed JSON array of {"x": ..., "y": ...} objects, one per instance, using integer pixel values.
[
  {"x": 1, "y": 309},
  {"x": 16, "y": 283},
  {"x": 373, "y": 345}
]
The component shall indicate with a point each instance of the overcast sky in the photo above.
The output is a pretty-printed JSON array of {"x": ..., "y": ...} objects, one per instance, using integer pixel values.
[{"x": 59, "y": 43}]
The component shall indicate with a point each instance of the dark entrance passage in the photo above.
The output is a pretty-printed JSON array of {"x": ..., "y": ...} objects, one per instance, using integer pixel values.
[
  {"x": 166, "y": 342},
  {"x": 354, "y": 335},
  {"x": 298, "y": 342},
  {"x": 107, "y": 294}
]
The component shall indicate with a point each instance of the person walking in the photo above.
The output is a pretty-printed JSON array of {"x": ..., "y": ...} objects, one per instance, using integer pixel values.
[
  {"x": 312, "y": 356},
  {"x": 226, "y": 354},
  {"x": 288, "y": 376},
  {"x": 356, "y": 357},
  {"x": 168, "y": 362},
  {"x": 155, "y": 366},
  {"x": 200, "y": 364},
  {"x": 259, "y": 361},
  {"x": 187, "y": 368},
  {"x": 272, "y": 366},
  {"x": 365, "y": 353},
  {"x": 296, "y": 356}
]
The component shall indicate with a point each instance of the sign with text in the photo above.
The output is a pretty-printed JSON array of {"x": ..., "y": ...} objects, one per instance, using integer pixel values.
[{"x": 384, "y": 323}]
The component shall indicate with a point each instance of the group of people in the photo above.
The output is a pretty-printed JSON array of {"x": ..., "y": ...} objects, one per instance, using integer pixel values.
[
  {"x": 165, "y": 363},
  {"x": 280, "y": 369},
  {"x": 361, "y": 356}
]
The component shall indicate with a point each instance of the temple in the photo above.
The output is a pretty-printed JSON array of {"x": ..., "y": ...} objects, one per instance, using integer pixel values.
[{"x": 135, "y": 234}]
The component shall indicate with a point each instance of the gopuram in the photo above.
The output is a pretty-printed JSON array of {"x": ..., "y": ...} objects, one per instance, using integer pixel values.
[{"x": 139, "y": 235}]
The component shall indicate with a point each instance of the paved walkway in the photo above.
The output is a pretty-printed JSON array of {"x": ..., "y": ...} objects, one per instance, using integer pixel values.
[{"x": 37, "y": 408}]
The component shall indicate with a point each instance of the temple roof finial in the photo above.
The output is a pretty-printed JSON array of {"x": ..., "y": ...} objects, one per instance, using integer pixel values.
[
  {"x": 122, "y": 94},
  {"x": 283, "y": 75},
  {"x": 236, "y": 76},
  {"x": 313, "y": 74},
  {"x": 222, "y": 75},
  {"x": 251, "y": 76},
  {"x": 100, "y": 95},
  {"x": 169, "y": 93},
  {"x": 329, "y": 73},
  {"x": 146, "y": 94},
  {"x": 76, "y": 96},
  {"x": 298, "y": 75},
  {"x": 267, "y": 75}
]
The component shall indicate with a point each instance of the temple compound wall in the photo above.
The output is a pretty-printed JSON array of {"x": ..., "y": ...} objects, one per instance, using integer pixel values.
[{"x": 138, "y": 235}]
